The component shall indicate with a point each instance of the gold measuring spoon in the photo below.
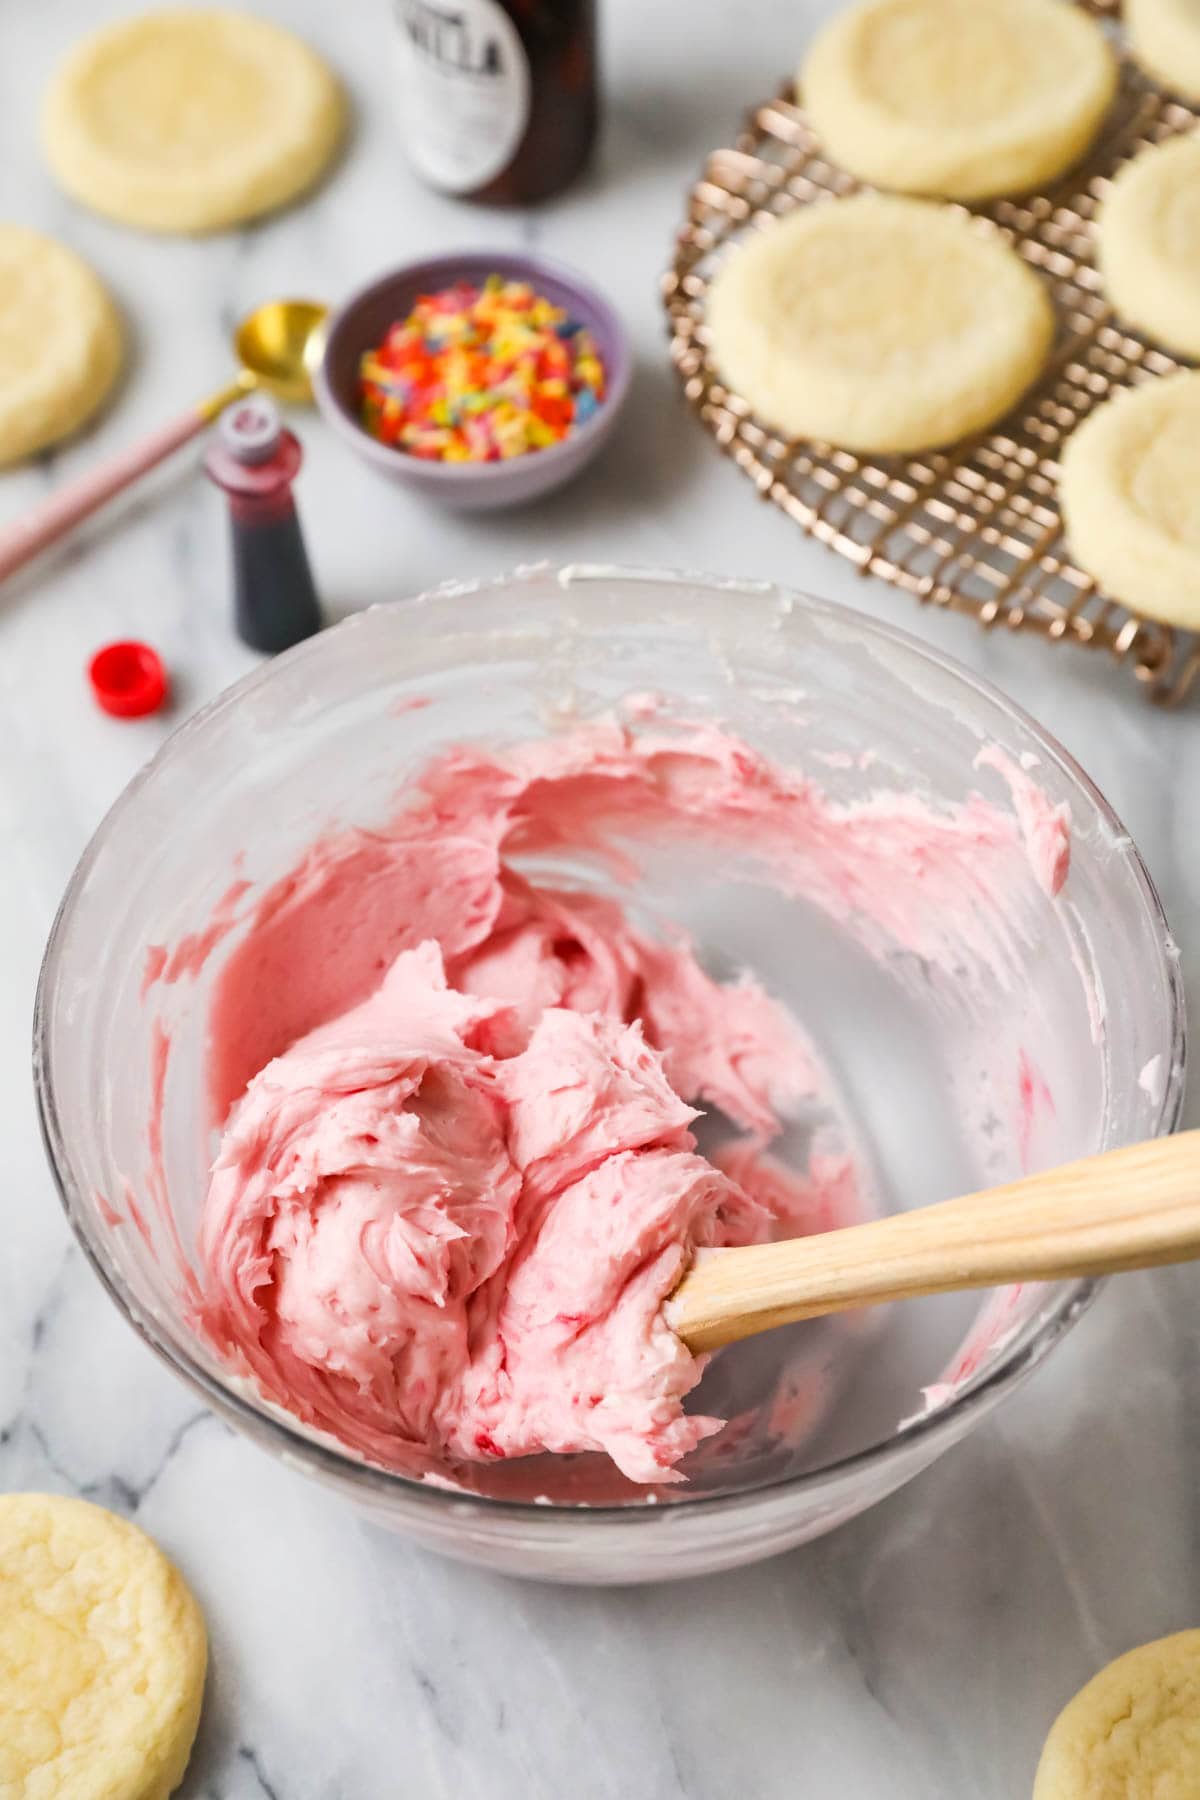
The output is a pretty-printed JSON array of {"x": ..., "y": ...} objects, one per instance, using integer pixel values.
[{"x": 278, "y": 346}]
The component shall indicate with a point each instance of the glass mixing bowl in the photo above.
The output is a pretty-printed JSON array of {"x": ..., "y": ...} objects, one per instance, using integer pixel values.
[{"x": 830, "y": 1415}]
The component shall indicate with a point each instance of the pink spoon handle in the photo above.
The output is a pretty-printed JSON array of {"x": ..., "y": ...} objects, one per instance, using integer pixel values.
[{"x": 46, "y": 523}]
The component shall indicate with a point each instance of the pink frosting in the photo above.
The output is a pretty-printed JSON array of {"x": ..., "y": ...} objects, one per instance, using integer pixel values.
[
  {"x": 1045, "y": 827},
  {"x": 409, "y": 1240},
  {"x": 457, "y": 1176}
]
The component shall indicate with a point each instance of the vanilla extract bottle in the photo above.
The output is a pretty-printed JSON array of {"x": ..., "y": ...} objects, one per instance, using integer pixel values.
[{"x": 498, "y": 98}]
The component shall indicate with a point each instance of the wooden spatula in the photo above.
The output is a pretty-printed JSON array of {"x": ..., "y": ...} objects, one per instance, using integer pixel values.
[{"x": 1127, "y": 1209}]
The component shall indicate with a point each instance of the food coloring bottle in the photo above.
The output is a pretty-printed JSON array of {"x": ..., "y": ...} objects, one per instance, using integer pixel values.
[{"x": 255, "y": 459}]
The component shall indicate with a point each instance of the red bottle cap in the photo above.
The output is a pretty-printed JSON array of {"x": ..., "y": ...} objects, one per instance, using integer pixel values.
[{"x": 128, "y": 679}]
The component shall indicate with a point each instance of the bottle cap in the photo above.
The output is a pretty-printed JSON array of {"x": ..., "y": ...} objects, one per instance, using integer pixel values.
[
  {"x": 250, "y": 429},
  {"x": 128, "y": 679}
]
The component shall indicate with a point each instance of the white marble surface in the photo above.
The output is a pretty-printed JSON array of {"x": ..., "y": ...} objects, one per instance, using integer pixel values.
[{"x": 921, "y": 1653}]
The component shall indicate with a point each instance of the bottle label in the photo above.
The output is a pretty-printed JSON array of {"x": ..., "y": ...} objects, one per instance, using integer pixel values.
[{"x": 464, "y": 90}]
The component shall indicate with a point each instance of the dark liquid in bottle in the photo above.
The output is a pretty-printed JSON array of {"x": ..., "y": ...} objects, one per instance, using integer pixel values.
[
  {"x": 275, "y": 604},
  {"x": 274, "y": 600},
  {"x": 498, "y": 98}
]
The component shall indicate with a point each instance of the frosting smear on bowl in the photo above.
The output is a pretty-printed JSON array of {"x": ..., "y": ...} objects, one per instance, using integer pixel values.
[{"x": 459, "y": 1173}]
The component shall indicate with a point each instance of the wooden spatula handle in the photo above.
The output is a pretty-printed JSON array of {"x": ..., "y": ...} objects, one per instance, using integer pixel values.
[{"x": 1126, "y": 1209}]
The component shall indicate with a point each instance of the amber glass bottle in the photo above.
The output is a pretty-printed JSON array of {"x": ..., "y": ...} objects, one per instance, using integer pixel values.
[{"x": 498, "y": 98}]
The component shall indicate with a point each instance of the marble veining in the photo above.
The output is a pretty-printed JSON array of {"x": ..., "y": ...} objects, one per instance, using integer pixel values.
[{"x": 920, "y": 1653}]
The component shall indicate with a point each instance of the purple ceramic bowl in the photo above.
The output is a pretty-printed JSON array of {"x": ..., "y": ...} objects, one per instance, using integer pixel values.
[{"x": 364, "y": 318}]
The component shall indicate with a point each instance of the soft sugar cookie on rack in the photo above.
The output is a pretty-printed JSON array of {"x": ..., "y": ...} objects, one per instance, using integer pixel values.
[
  {"x": 61, "y": 343},
  {"x": 190, "y": 120},
  {"x": 1148, "y": 243},
  {"x": 1133, "y": 1733},
  {"x": 961, "y": 98},
  {"x": 1130, "y": 493},
  {"x": 1164, "y": 36},
  {"x": 878, "y": 324},
  {"x": 102, "y": 1656}
]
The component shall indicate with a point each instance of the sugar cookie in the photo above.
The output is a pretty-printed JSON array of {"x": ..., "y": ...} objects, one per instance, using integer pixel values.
[
  {"x": 1164, "y": 36},
  {"x": 965, "y": 98},
  {"x": 102, "y": 1656},
  {"x": 190, "y": 120},
  {"x": 1148, "y": 244},
  {"x": 60, "y": 342},
  {"x": 1133, "y": 1733},
  {"x": 1130, "y": 493},
  {"x": 878, "y": 324}
]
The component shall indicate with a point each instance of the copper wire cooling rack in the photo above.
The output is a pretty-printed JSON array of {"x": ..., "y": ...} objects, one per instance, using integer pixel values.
[{"x": 975, "y": 528}]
